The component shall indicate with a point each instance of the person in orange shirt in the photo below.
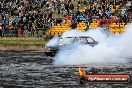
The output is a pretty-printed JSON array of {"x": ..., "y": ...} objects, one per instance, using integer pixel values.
[{"x": 82, "y": 71}]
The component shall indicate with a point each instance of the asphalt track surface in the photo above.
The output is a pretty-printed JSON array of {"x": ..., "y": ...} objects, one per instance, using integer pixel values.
[{"x": 35, "y": 70}]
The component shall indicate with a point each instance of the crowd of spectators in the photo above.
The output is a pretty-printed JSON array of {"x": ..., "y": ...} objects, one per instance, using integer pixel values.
[{"x": 31, "y": 16}]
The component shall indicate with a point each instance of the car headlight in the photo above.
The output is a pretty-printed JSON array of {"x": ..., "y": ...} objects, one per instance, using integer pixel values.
[{"x": 47, "y": 48}]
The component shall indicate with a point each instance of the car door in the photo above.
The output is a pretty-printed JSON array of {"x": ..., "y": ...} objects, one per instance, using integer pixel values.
[
  {"x": 66, "y": 43},
  {"x": 81, "y": 40}
]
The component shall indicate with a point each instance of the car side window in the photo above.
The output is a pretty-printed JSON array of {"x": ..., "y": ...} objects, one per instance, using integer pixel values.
[
  {"x": 82, "y": 40},
  {"x": 90, "y": 40},
  {"x": 65, "y": 41}
]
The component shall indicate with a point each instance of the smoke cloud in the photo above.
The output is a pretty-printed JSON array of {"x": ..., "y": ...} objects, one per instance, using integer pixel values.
[
  {"x": 111, "y": 49},
  {"x": 53, "y": 41},
  {"x": 125, "y": 42}
]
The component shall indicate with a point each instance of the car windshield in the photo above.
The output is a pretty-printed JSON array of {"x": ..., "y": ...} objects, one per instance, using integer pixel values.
[{"x": 66, "y": 40}]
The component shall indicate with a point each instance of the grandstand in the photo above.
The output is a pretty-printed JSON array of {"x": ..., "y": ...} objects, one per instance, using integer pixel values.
[{"x": 23, "y": 18}]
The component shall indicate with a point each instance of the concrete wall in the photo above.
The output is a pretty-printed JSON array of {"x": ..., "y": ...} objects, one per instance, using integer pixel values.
[{"x": 21, "y": 48}]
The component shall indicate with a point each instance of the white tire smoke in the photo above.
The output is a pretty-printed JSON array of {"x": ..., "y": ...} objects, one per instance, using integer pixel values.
[{"x": 111, "y": 49}]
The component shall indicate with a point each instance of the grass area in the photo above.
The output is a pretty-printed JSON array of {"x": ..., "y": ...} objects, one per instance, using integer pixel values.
[{"x": 23, "y": 41}]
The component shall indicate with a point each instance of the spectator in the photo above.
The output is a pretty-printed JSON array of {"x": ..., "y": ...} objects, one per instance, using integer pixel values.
[
  {"x": 0, "y": 30},
  {"x": 34, "y": 14}
]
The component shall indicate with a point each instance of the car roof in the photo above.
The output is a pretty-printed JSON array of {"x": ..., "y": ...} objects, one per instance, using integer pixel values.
[{"x": 78, "y": 37}]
